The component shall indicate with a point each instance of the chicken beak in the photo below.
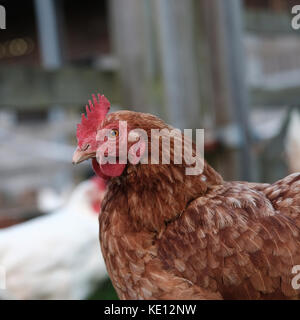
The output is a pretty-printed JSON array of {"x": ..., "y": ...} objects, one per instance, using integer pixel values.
[{"x": 80, "y": 155}]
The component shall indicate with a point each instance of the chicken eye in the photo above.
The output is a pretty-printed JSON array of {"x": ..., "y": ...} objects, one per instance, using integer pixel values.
[{"x": 113, "y": 133}]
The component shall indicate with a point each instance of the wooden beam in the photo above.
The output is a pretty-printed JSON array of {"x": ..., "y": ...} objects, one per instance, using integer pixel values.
[
  {"x": 282, "y": 97},
  {"x": 27, "y": 87},
  {"x": 268, "y": 22},
  {"x": 222, "y": 25},
  {"x": 132, "y": 41},
  {"x": 180, "y": 68}
]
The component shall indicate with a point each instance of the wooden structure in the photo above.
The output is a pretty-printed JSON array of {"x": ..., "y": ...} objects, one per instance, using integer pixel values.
[{"x": 178, "y": 59}]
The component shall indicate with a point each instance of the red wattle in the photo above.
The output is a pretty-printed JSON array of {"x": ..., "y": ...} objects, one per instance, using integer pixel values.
[
  {"x": 97, "y": 170},
  {"x": 108, "y": 170},
  {"x": 112, "y": 170}
]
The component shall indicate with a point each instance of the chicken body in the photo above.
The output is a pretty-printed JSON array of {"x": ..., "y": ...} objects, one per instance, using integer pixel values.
[
  {"x": 237, "y": 241},
  {"x": 168, "y": 235},
  {"x": 55, "y": 256}
]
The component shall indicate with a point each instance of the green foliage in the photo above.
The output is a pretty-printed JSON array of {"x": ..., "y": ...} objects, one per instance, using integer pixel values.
[{"x": 105, "y": 291}]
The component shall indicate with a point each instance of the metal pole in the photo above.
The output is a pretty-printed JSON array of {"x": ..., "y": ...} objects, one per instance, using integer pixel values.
[
  {"x": 48, "y": 14},
  {"x": 48, "y": 31},
  {"x": 232, "y": 11}
]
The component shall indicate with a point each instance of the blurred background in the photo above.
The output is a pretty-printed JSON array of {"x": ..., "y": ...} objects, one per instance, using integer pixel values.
[{"x": 231, "y": 67}]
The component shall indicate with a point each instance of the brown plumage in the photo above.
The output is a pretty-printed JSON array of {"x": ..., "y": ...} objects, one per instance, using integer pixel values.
[{"x": 168, "y": 235}]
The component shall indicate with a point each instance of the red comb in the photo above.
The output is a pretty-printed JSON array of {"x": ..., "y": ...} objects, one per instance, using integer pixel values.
[{"x": 95, "y": 114}]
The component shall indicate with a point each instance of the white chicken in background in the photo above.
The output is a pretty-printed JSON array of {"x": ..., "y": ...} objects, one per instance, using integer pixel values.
[
  {"x": 293, "y": 142},
  {"x": 56, "y": 256},
  {"x": 48, "y": 199}
]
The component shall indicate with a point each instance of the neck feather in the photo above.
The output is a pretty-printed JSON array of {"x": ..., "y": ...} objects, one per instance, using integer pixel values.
[{"x": 158, "y": 194}]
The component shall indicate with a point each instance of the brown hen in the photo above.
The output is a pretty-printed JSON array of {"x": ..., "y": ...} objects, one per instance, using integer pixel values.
[{"x": 168, "y": 235}]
